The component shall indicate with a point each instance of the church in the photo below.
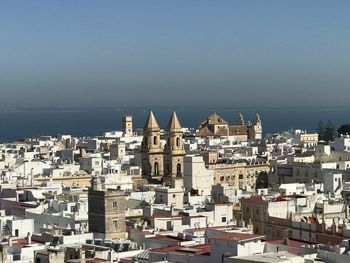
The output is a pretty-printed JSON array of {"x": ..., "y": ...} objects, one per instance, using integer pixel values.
[
  {"x": 215, "y": 126},
  {"x": 158, "y": 162}
]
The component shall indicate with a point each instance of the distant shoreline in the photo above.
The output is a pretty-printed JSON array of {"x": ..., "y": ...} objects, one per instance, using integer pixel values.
[{"x": 160, "y": 108}]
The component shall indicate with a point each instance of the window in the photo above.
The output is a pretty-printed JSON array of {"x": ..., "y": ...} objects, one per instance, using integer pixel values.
[
  {"x": 178, "y": 142},
  {"x": 241, "y": 176},
  {"x": 223, "y": 219},
  {"x": 115, "y": 224},
  {"x": 174, "y": 195},
  {"x": 168, "y": 168},
  {"x": 156, "y": 168},
  {"x": 155, "y": 140},
  {"x": 178, "y": 169},
  {"x": 115, "y": 205}
]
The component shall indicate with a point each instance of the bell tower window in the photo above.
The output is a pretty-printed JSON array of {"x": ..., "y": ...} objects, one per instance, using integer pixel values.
[
  {"x": 178, "y": 142},
  {"x": 156, "y": 168},
  {"x": 178, "y": 169}
]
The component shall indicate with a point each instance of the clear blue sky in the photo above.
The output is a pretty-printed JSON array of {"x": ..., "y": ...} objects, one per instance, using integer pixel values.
[{"x": 156, "y": 53}]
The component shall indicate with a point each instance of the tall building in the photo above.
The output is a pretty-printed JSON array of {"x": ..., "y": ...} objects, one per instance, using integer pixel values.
[
  {"x": 127, "y": 125},
  {"x": 174, "y": 149},
  {"x": 255, "y": 130},
  {"x": 151, "y": 150},
  {"x": 106, "y": 211},
  {"x": 158, "y": 162}
]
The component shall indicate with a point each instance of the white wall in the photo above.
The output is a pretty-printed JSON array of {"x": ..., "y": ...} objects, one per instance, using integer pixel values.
[{"x": 196, "y": 175}]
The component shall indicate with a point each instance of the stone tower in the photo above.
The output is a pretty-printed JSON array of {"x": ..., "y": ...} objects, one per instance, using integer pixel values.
[
  {"x": 151, "y": 150},
  {"x": 174, "y": 149},
  {"x": 127, "y": 125},
  {"x": 106, "y": 211}
]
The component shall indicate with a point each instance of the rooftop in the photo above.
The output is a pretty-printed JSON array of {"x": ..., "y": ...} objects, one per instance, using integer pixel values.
[
  {"x": 238, "y": 237},
  {"x": 291, "y": 242},
  {"x": 23, "y": 242},
  {"x": 267, "y": 257},
  {"x": 197, "y": 250}
]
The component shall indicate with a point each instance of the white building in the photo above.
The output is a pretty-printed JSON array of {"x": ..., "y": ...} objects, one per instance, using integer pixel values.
[
  {"x": 342, "y": 143},
  {"x": 196, "y": 175}
]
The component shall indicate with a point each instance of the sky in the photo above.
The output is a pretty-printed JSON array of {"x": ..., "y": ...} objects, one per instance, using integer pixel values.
[{"x": 179, "y": 53}]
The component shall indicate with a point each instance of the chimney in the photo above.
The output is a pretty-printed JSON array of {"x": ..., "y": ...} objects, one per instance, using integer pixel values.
[
  {"x": 82, "y": 256},
  {"x": 10, "y": 241},
  {"x": 109, "y": 257},
  {"x": 29, "y": 238},
  {"x": 334, "y": 227}
]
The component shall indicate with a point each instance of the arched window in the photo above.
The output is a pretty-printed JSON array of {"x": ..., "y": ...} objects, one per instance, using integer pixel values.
[
  {"x": 178, "y": 142},
  {"x": 155, "y": 140},
  {"x": 156, "y": 169},
  {"x": 168, "y": 168},
  {"x": 178, "y": 169}
]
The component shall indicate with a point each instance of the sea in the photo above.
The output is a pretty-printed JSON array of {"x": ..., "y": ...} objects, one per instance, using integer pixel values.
[{"x": 16, "y": 124}]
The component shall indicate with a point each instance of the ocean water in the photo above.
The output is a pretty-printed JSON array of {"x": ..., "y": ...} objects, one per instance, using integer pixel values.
[{"x": 16, "y": 124}]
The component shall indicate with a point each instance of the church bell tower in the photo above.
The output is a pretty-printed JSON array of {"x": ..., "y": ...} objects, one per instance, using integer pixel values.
[
  {"x": 151, "y": 150},
  {"x": 174, "y": 149}
]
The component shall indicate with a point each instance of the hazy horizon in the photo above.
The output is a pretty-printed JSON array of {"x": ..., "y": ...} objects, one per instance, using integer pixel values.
[{"x": 250, "y": 54}]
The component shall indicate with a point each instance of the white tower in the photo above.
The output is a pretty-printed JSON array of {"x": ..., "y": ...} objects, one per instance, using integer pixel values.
[{"x": 258, "y": 128}]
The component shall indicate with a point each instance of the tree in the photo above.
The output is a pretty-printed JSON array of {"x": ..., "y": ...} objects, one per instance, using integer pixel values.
[
  {"x": 344, "y": 129},
  {"x": 326, "y": 132},
  {"x": 321, "y": 130},
  {"x": 329, "y": 132},
  {"x": 262, "y": 180}
]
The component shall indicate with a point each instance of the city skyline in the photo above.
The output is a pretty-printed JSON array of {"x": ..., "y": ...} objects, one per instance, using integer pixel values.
[{"x": 118, "y": 53}]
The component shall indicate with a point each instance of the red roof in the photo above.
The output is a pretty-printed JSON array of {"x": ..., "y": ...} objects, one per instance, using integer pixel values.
[
  {"x": 22, "y": 242},
  {"x": 198, "y": 249},
  {"x": 294, "y": 251}
]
